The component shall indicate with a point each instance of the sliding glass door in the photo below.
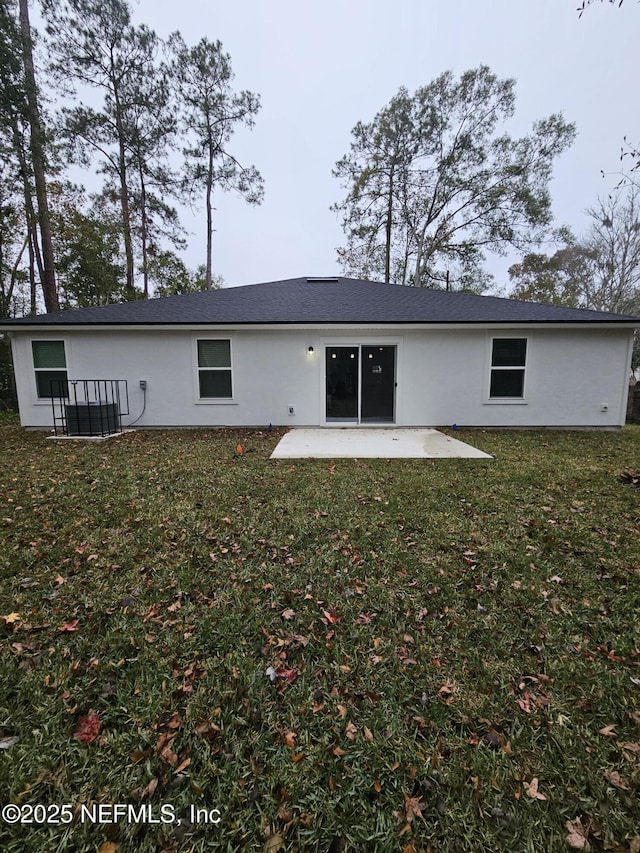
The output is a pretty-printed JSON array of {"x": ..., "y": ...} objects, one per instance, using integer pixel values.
[
  {"x": 360, "y": 384},
  {"x": 343, "y": 374}
]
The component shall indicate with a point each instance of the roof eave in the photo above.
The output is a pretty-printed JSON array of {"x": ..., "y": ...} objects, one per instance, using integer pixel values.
[{"x": 318, "y": 325}]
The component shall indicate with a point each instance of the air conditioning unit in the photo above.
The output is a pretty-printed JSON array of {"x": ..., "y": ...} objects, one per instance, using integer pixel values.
[{"x": 92, "y": 418}]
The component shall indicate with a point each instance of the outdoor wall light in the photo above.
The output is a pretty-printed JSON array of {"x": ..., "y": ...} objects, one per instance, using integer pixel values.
[{"x": 310, "y": 350}]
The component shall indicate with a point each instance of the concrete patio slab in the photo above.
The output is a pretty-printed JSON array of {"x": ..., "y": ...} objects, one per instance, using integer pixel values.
[{"x": 372, "y": 443}]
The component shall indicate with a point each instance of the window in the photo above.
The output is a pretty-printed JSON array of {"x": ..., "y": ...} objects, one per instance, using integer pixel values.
[
  {"x": 508, "y": 360},
  {"x": 214, "y": 369},
  {"x": 50, "y": 367}
]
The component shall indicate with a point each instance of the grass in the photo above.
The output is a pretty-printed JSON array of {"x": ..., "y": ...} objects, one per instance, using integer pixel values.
[
  {"x": 451, "y": 642},
  {"x": 8, "y": 417}
]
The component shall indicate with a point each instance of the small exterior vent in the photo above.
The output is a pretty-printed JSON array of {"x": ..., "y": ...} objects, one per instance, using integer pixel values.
[{"x": 325, "y": 280}]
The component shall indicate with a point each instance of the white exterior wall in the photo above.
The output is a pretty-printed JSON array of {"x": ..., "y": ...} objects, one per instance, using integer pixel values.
[
  {"x": 570, "y": 375},
  {"x": 442, "y": 375}
]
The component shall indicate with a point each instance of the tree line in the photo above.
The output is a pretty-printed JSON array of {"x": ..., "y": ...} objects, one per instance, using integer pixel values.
[
  {"x": 600, "y": 270},
  {"x": 434, "y": 181},
  {"x": 154, "y": 118}
]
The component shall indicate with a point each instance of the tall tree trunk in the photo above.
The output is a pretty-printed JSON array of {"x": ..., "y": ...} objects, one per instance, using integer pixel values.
[
  {"x": 405, "y": 261},
  {"x": 5, "y": 292},
  {"x": 125, "y": 207},
  {"x": 207, "y": 278},
  {"x": 32, "y": 274},
  {"x": 30, "y": 214},
  {"x": 126, "y": 216},
  {"x": 14, "y": 276},
  {"x": 389, "y": 222},
  {"x": 417, "y": 270},
  {"x": 422, "y": 256},
  {"x": 37, "y": 157},
  {"x": 35, "y": 256},
  {"x": 143, "y": 232}
]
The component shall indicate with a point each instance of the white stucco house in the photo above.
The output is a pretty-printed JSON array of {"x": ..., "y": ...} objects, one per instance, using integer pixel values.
[{"x": 325, "y": 352}]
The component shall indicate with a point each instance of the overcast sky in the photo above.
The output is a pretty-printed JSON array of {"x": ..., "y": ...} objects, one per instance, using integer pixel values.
[{"x": 320, "y": 67}]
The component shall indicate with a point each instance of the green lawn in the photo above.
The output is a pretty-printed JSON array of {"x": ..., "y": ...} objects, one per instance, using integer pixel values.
[{"x": 454, "y": 645}]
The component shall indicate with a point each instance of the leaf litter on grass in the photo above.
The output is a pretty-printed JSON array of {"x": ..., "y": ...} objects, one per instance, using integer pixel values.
[{"x": 446, "y": 649}]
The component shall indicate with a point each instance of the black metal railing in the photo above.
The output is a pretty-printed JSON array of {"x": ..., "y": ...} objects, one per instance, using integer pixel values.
[{"x": 89, "y": 407}]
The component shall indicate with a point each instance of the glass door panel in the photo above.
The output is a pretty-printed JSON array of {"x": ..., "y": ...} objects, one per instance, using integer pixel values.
[
  {"x": 378, "y": 384},
  {"x": 342, "y": 370}
]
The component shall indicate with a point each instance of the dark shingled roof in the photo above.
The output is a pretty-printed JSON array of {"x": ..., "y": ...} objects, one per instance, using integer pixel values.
[{"x": 329, "y": 301}]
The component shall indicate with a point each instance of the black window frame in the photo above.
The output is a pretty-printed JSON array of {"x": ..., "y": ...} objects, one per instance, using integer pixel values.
[
  {"x": 508, "y": 374},
  {"x": 58, "y": 376},
  {"x": 227, "y": 370}
]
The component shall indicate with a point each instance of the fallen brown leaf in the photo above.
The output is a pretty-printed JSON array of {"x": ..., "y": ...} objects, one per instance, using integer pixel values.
[
  {"x": 413, "y": 807},
  {"x": 289, "y": 675},
  {"x": 630, "y": 476},
  {"x": 531, "y": 790},
  {"x": 331, "y": 616},
  {"x": 88, "y": 728},
  {"x": 169, "y": 756},
  {"x": 351, "y": 731},
  {"x": 525, "y": 703},
  {"x": 616, "y": 779},
  {"x": 290, "y": 739},
  {"x": 577, "y": 838},
  {"x": 630, "y": 749},
  {"x": 149, "y": 790},
  {"x": 10, "y": 618},
  {"x": 273, "y": 843},
  {"x": 445, "y": 694}
]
